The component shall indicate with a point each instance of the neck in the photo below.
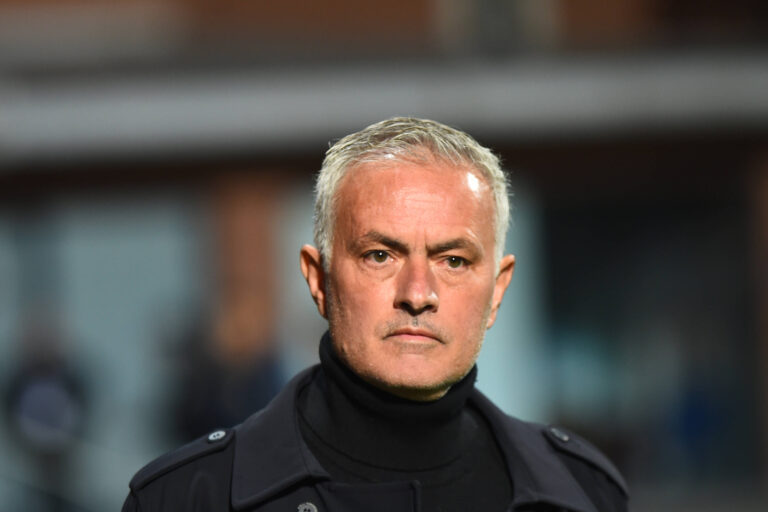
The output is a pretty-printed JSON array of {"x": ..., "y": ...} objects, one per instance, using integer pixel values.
[{"x": 346, "y": 413}]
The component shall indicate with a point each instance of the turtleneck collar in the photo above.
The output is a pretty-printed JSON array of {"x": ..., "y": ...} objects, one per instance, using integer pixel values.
[{"x": 376, "y": 427}]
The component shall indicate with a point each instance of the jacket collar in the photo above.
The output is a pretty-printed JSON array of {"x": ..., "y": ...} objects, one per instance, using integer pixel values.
[
  {"x": 538, "y": 475},
  {"x": 271, "y": 455}
]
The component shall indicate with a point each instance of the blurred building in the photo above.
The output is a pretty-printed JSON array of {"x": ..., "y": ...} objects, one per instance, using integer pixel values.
[{"x": 156, "y": 163}]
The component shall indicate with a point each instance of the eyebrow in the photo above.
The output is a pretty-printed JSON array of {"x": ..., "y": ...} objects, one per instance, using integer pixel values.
[
  {"x": 449, "y": 245},
  {"x": 377, "y": 237}
]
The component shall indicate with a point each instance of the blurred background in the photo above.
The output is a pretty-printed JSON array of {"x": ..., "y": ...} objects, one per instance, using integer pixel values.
[{"x": 156, "y": 166}]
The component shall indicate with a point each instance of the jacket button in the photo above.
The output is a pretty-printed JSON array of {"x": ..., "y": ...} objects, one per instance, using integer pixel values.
[
  {"x": 216, "y": 436},
  {"x": 307, "y": 507},
  {"x": 559, "y": 434}
]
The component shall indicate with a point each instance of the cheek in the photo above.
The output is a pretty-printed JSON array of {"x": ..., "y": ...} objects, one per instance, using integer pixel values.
[
  {"x": 357, "y": 303},
  {"x": 473, "y": 294},
  {"x": 472, "y": 310}
]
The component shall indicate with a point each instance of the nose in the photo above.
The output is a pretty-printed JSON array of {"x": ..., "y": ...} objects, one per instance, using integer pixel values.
[{"x": 416, "y": 288}]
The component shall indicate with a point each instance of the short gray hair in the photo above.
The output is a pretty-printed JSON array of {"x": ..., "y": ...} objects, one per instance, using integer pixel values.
[{"x": 404, "y": 138}]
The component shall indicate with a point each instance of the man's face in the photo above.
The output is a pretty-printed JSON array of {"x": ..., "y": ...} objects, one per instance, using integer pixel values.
[{"x": 412, "y": 284}]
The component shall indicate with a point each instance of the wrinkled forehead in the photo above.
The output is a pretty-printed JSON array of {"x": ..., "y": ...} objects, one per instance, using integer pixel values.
[
  {"x": 404, "y": 192},
  {"x": 419, "y": 158}
]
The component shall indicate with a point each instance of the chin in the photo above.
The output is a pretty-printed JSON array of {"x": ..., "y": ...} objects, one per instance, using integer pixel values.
[{"x": 417, "y": 387}]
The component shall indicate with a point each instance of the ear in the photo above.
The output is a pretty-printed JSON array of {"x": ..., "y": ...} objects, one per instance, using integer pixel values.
[
  {"x": 312, "y": 269},
  {"x": 506, "y": 268}
]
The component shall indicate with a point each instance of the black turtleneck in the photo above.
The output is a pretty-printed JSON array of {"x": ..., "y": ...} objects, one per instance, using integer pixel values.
[{"x": 362, "y": 434}]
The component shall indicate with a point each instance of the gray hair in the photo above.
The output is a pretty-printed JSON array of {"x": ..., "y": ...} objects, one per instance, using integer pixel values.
[{"x": 404, "y": 138}]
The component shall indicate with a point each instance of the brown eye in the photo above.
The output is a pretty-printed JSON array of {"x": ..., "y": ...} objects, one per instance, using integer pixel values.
[
  {"x": 378, "y": 256},
  {"x": 455, "y": 261}
]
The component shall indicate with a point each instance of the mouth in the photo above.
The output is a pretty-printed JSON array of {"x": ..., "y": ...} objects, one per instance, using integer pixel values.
[{"x": 414, "y": 334}]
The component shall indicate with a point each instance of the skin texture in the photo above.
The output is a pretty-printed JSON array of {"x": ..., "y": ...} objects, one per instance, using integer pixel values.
[{"x": 412, "y": 285}]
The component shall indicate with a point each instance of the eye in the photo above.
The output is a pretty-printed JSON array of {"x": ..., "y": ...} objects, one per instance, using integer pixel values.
[
  {"x": 455, "y": 261},
  {"x": 377, "y": 256}
]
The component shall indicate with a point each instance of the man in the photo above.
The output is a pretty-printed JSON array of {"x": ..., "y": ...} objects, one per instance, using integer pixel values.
[{"x": 409, "y": 271}]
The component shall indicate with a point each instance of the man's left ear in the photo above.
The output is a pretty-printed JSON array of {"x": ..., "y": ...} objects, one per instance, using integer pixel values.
[{"x": 506, "y": 269}]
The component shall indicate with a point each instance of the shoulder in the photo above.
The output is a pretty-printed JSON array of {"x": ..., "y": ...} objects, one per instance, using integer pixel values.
[
  {"x": 209, "y": 470},
  {"x": 201, "y": 468},
  {"x": 572, "y": 445},
  {"x": 553, "y": 462},
  {"x": 595, "y": 472},
  {"x": 195, "y": 452}
]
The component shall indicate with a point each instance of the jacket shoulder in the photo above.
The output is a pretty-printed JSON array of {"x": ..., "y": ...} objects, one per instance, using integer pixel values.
[
  {"x": 578, "y": 451},
  {"x": 201, "y": 447}
]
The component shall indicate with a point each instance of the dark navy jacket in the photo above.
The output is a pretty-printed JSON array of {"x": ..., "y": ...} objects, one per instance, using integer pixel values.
[{"x": 264, "y": 465}]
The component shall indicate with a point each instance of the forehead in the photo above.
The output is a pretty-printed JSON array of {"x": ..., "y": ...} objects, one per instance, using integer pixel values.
[{"x": 422, "y": 194}]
